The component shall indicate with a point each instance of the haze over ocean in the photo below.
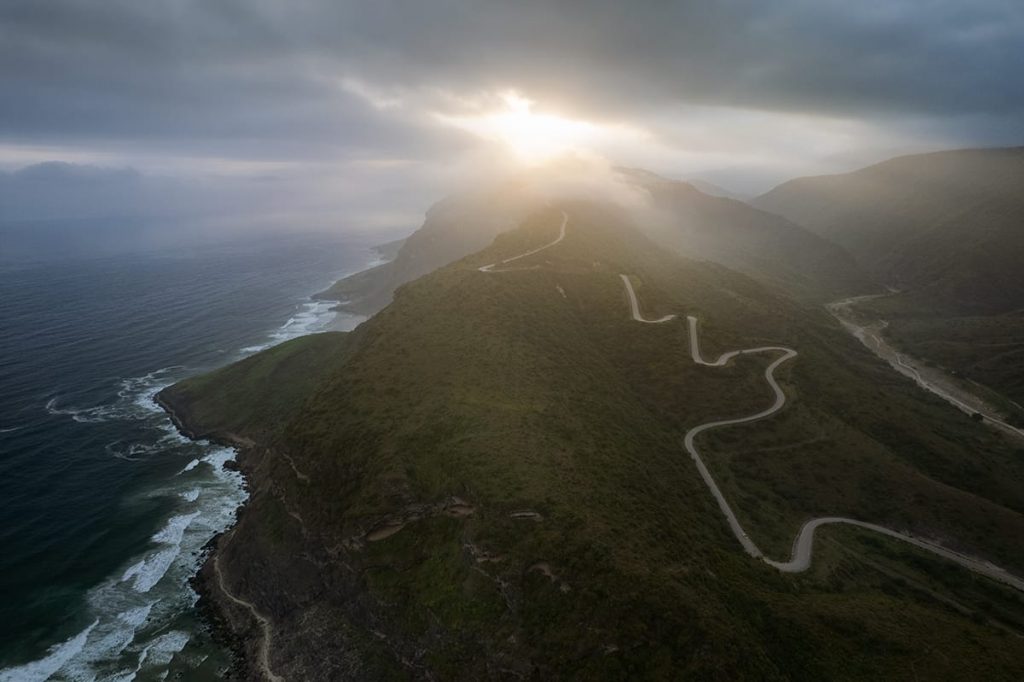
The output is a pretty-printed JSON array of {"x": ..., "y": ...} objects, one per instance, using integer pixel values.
[{"x": 106, "y": 507}]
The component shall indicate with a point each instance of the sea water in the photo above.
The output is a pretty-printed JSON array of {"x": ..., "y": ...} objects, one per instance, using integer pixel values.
[{"x": 104, "y": 507}]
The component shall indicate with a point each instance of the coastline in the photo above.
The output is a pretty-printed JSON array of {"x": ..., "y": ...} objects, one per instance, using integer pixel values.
[
  {"x": 219, "y": 610},
  {"x": 210, "y": 608},
  {"x": 365, "y": 291}
]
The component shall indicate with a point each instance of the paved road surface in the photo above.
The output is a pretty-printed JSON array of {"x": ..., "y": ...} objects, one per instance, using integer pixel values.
[
  {"x": 635, "y": 306},
  {"x": 935, "y": 382},
  {"x": 561, "y": 236},
  {"x": 803, "y": 544}
]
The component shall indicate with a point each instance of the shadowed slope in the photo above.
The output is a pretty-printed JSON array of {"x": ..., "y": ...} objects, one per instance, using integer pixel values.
[
  {"x": 947, "y": 231},
  {"x": 803, "y": 543},
  {"x": 496, "y": 461}
]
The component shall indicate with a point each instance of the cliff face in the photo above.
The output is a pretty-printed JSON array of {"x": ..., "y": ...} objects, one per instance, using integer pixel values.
[{"x": 485, "y": 481}]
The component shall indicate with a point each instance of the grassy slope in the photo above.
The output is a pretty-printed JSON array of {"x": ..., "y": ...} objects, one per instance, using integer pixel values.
[
  {"x": 497, "y": 389},
  {"x": 946, "y": 226},
  {"x": 697, "y": 225},
  {"x": 988, "y": 349},
  {"x": 257, "y": 395},
  {"x": 947, "y": 229},
  {"x": 454, "y": 228},
  {"x": 757, "y": 243},
  {"x": 956, "y": 343}
]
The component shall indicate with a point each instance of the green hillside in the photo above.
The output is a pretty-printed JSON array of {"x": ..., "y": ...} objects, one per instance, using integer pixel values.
[
  {"x": 675, "y": 214},
  {"x": 486, "y": 481},
  {"x": 762, "y": 245},
  {"x": 453, "y": 228},
  {"x": 947, "y": 231},
  {"x": 257, "y": 395},
  {"x": 947, "y": 227}
]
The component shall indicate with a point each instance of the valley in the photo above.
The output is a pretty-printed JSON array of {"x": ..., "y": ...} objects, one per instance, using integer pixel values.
[
  {"x": 943, "y": 231},
  {"x": 990, "y": 408}
]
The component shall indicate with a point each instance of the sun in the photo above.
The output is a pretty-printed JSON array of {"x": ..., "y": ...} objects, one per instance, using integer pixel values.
[{"x": 532, "y": 137}]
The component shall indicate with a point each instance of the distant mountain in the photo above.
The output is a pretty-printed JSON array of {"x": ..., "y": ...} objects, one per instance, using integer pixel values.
[
  {"x": 947, "y": 231},
  {"x": 675, "y": 214},
  {"x": 486, "y": 480},
  {"x": 754, "y": 242},
  {"x": 454, "y": 227},
  {"x": 947, "y": 227},
  {"x": 715, "y": 190}
]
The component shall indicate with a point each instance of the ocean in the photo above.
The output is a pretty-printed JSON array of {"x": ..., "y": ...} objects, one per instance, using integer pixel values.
[{"x": 105, "y": 507}]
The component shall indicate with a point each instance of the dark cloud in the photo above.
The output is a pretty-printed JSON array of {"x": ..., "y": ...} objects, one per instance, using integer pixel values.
[{"x": 263, "y": 79}]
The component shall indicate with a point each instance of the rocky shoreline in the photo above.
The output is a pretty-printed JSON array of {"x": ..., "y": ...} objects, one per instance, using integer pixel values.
[{"x": 212, "y": 607}]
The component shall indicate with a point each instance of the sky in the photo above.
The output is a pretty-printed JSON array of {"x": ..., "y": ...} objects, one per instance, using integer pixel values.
[{"x": 376, "y": 109}]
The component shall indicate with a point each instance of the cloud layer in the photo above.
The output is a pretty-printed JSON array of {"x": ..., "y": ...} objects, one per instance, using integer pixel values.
[{"x": 742, "y": 91}]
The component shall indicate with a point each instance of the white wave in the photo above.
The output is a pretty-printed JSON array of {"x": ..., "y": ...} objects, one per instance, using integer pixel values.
[
  {"x": 157, "y": 653},
  {"x": 162, "y": 649},
  {"x": 84, "y": 415},
  {"x": 189, "y": 467},
  {"x": 13, "y": 428},
  {"x": 57, "y": 656},
  {"x": 133, "y": 451},
  {"x": 172, "y": 436},
  {"x": 108, "y": 641},
  {"x": 134, "y": 400},
  {"x": 133, "y": 608},
  {"x": 148, "y": 572},
  {"x": 312, "y": 316},
  {"x": 218, "y": 457}
]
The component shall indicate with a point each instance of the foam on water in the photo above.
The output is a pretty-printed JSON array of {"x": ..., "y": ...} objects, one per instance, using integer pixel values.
[
  {"x": 130, "y": 610},
  {"x": 55, "y": 659},
  {"x": 157, "y": 653},
  {"x": 146, "y": 573},
  {"x": 311, "y": 316},
  {"x": 134, "y": 400},
  {"x": 316, "y": 315},
  {"x": 137, "y": 614},
  {"x": 189, "y": 467}
]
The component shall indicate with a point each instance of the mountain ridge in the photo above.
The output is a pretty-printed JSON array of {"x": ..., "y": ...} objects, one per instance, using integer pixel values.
[
  {"x": 946, "y": 231},
  {"x": 907, "y": 218},
  {"x": 677, "y": 214},
  {"x": 495, "y": 458}
]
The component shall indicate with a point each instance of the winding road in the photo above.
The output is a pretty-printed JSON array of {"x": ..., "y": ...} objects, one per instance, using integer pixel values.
[
  {"x": 561, "y": 236},
  {"x": 635, "y": 305},
  {"x": 803, "y": 544}
]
